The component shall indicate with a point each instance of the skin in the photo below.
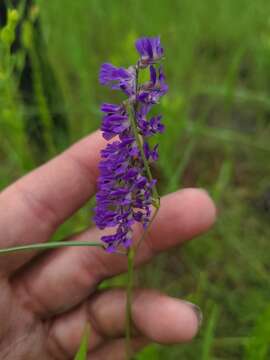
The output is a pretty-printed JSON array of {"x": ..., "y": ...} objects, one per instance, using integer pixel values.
[{"x": 46, "y": 299}]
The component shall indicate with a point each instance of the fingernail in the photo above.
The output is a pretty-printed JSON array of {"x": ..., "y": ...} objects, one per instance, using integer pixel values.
[{"x": 197, "y": 310}]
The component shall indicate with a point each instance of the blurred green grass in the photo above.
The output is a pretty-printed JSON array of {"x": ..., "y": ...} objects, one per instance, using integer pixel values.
[{"x": 217, "y": 115}]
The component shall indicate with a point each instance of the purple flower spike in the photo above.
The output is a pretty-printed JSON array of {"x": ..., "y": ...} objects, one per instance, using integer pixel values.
[
  {"x": 150, "y": 50},
  {"x": 125, "y": 193}
]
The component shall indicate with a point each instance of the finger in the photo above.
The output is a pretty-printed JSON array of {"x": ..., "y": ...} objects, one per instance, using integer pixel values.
[
  {"x": 177, "y": 321},
  {"x": 33, "y": 207},
  {"x": 63, "y": 278}
]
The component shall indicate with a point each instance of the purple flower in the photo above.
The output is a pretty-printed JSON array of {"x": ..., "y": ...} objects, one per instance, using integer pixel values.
[
  {"x": 123, "y": 189},
  {"x": 118, "y": 78},
  {"x": 150, "y": 154},
  {"x": 115, "y": 122},
  {"x": 111, "y": 108},
  {"x": 149, "y": 127},
  {"x": 151, "y": 92},
  {"x": 125, "y": 192},
  {"x": 150, "y": 50}
]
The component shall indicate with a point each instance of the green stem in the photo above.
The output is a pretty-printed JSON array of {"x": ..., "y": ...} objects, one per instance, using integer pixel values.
[
  {"x": 148, "y": 228},
  {"x": 145, "y": 162},
  {"x": 131, "y": 254},
  {"x": 132, "y": 251},
  {"x": 49, "y": 245}
]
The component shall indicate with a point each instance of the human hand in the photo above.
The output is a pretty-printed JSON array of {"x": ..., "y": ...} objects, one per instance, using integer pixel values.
[{"x": 47, "y": 299}]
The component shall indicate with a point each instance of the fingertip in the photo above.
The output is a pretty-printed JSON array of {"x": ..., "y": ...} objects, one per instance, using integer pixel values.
[
  {"x": 188, "y": 318},
  {"x": 188, "y": 212},
  {"x": 168, "y": 320},
  {"x": 205, "y": 207}
]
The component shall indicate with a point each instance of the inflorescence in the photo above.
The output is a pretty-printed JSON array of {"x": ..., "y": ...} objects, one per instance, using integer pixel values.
[{"x": 126, "y": 189}]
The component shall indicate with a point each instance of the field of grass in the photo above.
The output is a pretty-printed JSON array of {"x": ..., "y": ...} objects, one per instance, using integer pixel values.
[{"x": 217, "y": 117}]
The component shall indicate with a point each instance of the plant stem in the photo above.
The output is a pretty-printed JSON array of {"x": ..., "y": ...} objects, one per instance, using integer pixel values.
[
  {"x": 131, "y": 254},
  {"x": 145, "y": 162},
  {"x": 49, "y": 245},
  {"x": 156, "y": 203},
  {"x": 148, "y": 228}
]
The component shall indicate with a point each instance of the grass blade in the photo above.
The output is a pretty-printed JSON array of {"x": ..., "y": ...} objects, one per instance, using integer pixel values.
[
  {"x": 209, "y": 334},
  {"x": 83, "y": 349}
]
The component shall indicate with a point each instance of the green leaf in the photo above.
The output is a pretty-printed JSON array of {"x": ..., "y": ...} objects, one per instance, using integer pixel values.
[{"x": 82, "y": 352}]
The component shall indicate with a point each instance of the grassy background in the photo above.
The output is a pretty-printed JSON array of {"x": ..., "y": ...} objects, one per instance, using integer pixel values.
[{"x": 217, "y": 116}]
